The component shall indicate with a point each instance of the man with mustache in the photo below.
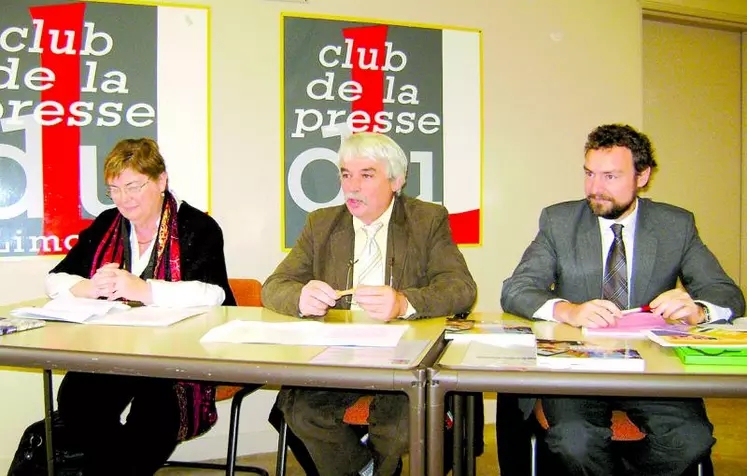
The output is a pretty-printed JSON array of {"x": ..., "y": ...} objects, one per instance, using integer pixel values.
[
  {"x": 398, "y": 255},
  {"x": 593, "y": 258}
]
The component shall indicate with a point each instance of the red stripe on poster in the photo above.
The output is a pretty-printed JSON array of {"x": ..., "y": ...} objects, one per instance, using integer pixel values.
[
  {"x": 61, "y": 142},
  {"x": 368, "y": 60},
  {"x": 465, "y": 227}
]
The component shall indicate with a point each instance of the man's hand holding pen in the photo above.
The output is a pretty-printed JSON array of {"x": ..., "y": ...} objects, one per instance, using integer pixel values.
[
  {"x": 380, "y": 302},
  {"x": 673, "y": 305},
  {"x": 316, "y": 298},
  {"x": 677, "y": 305}
]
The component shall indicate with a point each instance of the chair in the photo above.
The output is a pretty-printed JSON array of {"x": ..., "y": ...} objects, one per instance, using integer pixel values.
[
  {"x": 248, "y": 292},
  {"x": 356, "y": 414},
  {"x": 623, "y": 430}
]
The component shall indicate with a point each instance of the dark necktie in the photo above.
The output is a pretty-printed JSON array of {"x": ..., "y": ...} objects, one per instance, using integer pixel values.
[{"x": 615, "y": 285}]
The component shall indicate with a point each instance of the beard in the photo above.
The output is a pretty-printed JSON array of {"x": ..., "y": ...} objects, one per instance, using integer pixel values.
[{"x": 608, "y": 208}]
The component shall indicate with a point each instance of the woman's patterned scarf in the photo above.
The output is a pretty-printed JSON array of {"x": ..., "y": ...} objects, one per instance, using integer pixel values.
[{"x": 197, "y": 412}]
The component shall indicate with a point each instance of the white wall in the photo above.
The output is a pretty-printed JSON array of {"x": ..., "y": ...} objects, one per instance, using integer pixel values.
[{"x": 552, "y": 71}]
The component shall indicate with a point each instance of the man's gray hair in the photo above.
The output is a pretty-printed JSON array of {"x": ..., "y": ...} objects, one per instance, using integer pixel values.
[{"x": 372, "y": 145}]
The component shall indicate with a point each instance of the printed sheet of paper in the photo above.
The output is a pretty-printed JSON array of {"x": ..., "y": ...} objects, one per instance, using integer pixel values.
[
  {"x": 147, "y": 316},
  {"x": 482, "y": 355},
  {"x": 307, "y": 333},
  {"x": 405, "y": 354}
]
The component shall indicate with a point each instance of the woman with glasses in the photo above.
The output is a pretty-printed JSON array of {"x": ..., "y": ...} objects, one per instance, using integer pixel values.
[{"x": 155, "y": 249}]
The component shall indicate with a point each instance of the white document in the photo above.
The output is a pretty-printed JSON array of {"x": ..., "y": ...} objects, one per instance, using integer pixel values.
[
  {"x": 405, "y": 354},
  {"x": 147, "y": 316},
  {"x": 70, "y": 309},
  {"x": 101, "y": 312},
  {"x": 483, "y": 355},
  {"x": 306, "y": 333}
]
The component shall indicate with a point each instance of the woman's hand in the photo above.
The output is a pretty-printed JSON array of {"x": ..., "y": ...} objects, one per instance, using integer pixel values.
[
  {"x": 98, "y": 286},
  {"x": 114, "y": 283}
]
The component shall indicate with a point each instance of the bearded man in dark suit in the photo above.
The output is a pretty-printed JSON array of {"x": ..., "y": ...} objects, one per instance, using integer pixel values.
[
  {"x": 418, "y": 272},
  {"x": 570, "y": 274}
]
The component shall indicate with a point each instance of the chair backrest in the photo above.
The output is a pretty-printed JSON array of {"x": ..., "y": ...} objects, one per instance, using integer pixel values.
[
  {"x": 357, "y": 413},
  {"x": 247, "y": 291},
  {"x": 622, "y": 428}
]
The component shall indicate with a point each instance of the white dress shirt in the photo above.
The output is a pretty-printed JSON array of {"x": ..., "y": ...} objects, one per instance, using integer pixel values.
[{"x": 382, "y": 238}]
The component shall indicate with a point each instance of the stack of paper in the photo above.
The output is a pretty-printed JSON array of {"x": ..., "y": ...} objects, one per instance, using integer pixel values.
[
  {"x": 70, "y": 309},
  {"x": 109, "y": 313}
]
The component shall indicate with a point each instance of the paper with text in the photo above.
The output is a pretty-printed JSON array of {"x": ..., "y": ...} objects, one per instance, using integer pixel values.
[
  {"x": 405, "y": 354},
  {"x": 107, "y": 313}
]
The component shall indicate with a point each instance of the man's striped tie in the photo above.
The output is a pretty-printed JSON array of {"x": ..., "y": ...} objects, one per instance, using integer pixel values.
[
  {"x": 370, "y": 264},
  {"x": 615, "y": 285}
]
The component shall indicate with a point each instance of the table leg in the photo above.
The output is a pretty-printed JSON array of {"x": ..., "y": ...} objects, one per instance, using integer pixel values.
[
  {"x": 48, "y": 409},
  {"x": 416, "y": 397},
  {"x": 469, "y": 428},
  {"x": 435, "y": 426},
  {"x": 458, "y": 434}
]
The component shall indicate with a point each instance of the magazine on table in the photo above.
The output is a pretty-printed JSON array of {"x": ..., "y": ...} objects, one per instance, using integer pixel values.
[
  {"x": 698, "y": 336},
  {"x": 577, "y": 355},
  {"x": 11, "y": 325},
  {"x": 464, "y": 330}
]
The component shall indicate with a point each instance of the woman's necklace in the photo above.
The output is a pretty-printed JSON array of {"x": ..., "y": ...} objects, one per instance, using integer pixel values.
[{"x": 145, "y": 242}]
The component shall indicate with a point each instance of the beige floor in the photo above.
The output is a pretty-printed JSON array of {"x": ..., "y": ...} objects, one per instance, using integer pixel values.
[{"x": 729, "y": 417}]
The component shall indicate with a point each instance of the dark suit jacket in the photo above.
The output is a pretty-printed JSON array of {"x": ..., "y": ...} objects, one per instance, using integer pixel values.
[
  {"x": 567, "y": 254},
  {"x": 565, "y": 261},
  {"x": 427, "y": 266}
]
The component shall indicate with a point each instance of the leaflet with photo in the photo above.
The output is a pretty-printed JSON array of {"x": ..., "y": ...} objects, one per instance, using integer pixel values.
[{"x": 577, "y": 355}]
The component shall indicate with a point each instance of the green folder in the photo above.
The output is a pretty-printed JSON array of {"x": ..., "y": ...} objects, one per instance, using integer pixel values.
[{"x": 712, "y": 356}]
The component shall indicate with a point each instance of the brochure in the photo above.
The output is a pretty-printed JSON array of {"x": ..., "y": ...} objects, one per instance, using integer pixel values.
[
  {"x": 490, "y": 333},
  {"x": 577, "y": 355},
  {"x": 698, "y": 336},
  {"x": 9, "y": 325}
]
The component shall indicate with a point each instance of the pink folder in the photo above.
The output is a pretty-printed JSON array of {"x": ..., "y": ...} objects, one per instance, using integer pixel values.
[{"x": 630, "y": 325}]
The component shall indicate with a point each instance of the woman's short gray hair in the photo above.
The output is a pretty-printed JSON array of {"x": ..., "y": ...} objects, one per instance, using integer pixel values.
[{"x": 372, "y": 145}]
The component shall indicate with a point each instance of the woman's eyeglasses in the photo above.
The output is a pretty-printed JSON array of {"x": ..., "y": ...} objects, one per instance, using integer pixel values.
[{"x": 129, "y": 190}]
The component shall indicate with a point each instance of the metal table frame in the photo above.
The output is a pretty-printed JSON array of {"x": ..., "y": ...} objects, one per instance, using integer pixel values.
[
  {"x": 411, "y": 381},
  {"x": 560, "y": 382}
]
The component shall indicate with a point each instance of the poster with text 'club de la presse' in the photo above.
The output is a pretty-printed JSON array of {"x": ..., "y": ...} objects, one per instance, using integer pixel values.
[
  {"x": 77, "y": 77},
  {"x": 418, "y": 84}
]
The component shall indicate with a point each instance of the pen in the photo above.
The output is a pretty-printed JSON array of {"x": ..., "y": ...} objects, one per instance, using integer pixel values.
[{"x": 645, "y": 308}]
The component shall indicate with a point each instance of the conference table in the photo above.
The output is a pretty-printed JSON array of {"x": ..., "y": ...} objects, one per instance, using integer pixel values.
[
  {"x": 176, "y": 352},
  {"x": 664, "y": 376}
]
